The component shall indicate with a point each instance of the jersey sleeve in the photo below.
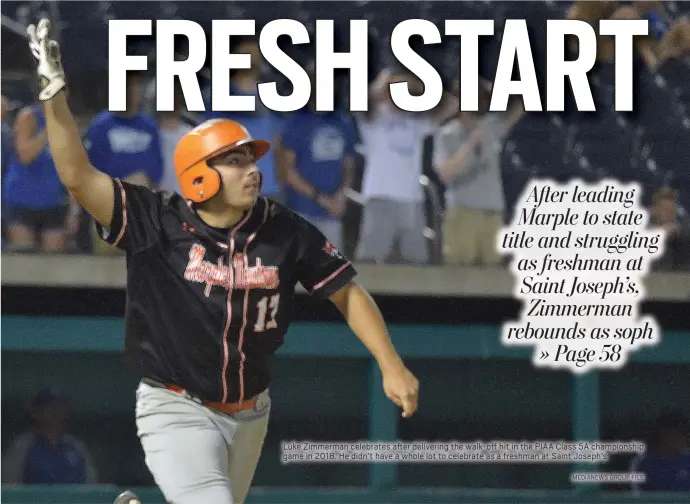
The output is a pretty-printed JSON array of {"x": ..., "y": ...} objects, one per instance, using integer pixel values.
[
  {"x": 321, "y": 268},
  {"x": 136, "y": 220}
]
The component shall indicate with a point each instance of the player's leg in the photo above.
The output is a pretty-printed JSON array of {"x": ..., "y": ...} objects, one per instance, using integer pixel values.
[
  {"x": 21, "y": 237},
  {"x": 53, "y": 240},
  {"x": 379, "y": 229},
  {"x": 451, "y": 238},
  {"x": 461, "y": 238},
  {"x": 54, "y": 229},
  {"x": 414, "y": 246},
  {"x": 490, "y": 227},
  {"x": 250, "y": 430},
  {"x": 184, "y": 448},
  {"x": 20, "y": 231}
]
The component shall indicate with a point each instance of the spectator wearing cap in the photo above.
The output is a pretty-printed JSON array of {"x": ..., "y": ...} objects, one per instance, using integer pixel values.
[
  {"x": 125, "y": 145},
  {"x": 47, "y": 455},
  {"x": 666, "y": 462},
  {"x": 318, "y": 152}
]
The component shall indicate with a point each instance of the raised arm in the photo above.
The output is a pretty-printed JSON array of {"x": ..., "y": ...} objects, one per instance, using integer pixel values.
[
  {"x": 91, "y": 188},
  {"x": 378, "y": 91},
  {"x": 379, "y": 88},
  {"x": 450, "y": 165}
]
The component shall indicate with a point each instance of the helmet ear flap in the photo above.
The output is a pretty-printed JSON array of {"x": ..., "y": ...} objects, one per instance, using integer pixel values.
[
  {"x": 212, "y": 182},
  {"x": 200, "y": 183}
]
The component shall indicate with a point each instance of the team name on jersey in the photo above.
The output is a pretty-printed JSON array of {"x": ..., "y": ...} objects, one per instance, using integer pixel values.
[{"x": 239, "y": 275}]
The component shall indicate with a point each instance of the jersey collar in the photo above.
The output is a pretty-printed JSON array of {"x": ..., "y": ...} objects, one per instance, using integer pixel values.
[{"x": 251, "y": 221}]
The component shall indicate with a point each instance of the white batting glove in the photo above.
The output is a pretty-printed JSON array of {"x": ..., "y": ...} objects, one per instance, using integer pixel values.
[{"x": 47, "y": 54}]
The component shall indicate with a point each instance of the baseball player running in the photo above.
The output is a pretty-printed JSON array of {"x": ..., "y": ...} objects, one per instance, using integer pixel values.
[{"x": 211, "y": 276}]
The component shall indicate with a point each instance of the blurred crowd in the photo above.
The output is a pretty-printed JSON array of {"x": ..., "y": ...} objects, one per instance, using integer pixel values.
[{"x": 389, "y": 186}]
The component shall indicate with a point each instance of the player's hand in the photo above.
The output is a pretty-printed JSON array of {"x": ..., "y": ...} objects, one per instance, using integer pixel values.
[
  {"x": 330, "y": 204},
  {"x": 339, "y": 204},
  {"x": 335, "y": 205},
  {"x": 401, "y": 387},
  {"x": 477, "y": 137},
  {"x": 47, "y": 54}
]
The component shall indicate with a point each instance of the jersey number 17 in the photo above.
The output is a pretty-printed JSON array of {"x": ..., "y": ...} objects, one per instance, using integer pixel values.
[{"x": 264, "y": 320}]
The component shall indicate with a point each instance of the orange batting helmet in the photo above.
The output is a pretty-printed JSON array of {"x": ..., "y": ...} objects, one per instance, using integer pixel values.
[{"x": 198, "y": 181}]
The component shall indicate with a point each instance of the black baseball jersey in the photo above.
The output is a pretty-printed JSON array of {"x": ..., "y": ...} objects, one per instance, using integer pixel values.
[{"x": 207, "y": 307}]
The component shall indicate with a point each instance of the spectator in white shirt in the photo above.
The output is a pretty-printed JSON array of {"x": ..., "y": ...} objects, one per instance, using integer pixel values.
[{"x": 393, "y": 140}]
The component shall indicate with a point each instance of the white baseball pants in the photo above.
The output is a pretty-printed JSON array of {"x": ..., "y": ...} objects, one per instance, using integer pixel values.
[{"x": 198, "y": 455}]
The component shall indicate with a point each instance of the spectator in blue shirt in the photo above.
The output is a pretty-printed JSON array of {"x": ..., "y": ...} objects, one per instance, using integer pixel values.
[
  {"x": 666, "y": 463},
  {"x": 261, "y": 123},
  {"x": 126, "y": 145},
  {"x": 7, "y": 147},
  {"x": 318, "y": 150},
  {"x": 35, "y": 203},
  {"x": 7, "y": 154},
  {"x": 47, "y": 455}
]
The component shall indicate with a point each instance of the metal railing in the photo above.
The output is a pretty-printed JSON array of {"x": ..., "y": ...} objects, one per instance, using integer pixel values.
[{"x": 434, "y": 228}]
